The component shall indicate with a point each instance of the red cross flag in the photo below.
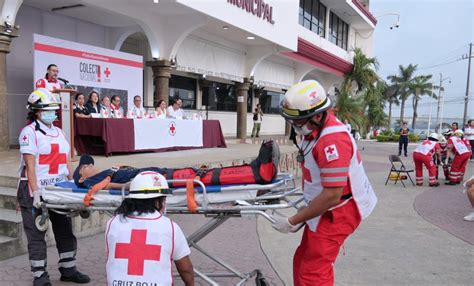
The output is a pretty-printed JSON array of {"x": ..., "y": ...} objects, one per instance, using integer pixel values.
[{"x": 331, "y": 153}]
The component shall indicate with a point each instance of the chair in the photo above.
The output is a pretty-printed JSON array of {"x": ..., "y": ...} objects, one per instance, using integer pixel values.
[{"x": 394, "y": 161}]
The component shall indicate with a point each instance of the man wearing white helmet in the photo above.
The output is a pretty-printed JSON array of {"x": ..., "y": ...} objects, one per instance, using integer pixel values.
[
  {"x": 44, "y": 162},
  {"x": 457, "y": 146},
  {"x": 423, "y": 155},
  {"x": 334, "y": 184},
  {"x": 141, "y": 242}
]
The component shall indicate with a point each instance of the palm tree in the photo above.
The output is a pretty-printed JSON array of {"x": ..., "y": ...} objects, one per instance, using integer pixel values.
[
  {"x": 373, "y": 97},
  {"x": 402, "y": 82},
  {"x": 363, "y": 72},
  {"x": 390, "y": 96},
  {"x": 349, "y": 106},
  {"x": 420, "y": 86}
]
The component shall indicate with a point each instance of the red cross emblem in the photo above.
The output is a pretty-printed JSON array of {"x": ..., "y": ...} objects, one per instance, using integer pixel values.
[
  {"x": 107, "y": 72},
  {"x": 53, "y": 159},
  {"x": 313, "y": 94},
  {"x": 25, "y": 138},
  {"x": 137, "y": 251},
  {"x": 330, "y": 150},
  {"x": 172, "y": 128}
]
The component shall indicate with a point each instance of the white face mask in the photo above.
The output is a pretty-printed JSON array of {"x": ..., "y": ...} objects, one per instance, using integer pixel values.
[
  {"x": 303, "y": 130},
  {"x": 48, "y": 116}
]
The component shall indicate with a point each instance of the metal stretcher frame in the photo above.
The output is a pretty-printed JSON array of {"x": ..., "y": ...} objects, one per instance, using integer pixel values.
[{"x": 282, "y": 194}]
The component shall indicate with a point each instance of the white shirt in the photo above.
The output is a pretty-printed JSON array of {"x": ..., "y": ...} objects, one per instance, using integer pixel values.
[
  {"x": 140, "y": 249},
  {"x": 136, "y": 112},
  {"x": 469, "y": 133},
  {"x": 178, "y": 114},
  {"x": 50, "y": 85},
  {"x": 51, "y": 152}
]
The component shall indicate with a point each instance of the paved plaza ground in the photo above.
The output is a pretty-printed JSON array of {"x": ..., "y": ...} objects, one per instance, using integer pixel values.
[{"x": 416, "y": 236}]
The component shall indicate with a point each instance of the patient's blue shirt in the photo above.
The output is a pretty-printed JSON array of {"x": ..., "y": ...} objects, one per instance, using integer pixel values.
[{"x": 122, "y": 176}]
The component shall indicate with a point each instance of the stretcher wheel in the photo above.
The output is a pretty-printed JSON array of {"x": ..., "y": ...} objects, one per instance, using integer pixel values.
[
  {"x": 85, "y": 214},
  {"x": 41, "y": 223},
  {"x": 260, "y": 280}
]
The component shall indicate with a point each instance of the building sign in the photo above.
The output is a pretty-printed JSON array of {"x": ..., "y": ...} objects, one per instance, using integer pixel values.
[{"x": 256, "y": 7}]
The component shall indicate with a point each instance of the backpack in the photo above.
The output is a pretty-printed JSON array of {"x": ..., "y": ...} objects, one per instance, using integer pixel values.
[{"x": 255, "y": 116}]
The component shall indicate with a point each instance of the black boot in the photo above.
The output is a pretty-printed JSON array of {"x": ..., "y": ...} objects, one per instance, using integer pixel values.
[
  {"x": 77, "y": 277},
  {"x": 43, "y": 280}
]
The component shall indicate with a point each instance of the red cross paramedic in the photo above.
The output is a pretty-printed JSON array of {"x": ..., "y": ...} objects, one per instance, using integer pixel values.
[
  {"x": 423, "y": 155},
  {"x": 45, "y": 161},
  {"x": 462, "y": 153},
  {"x": 334, "y": 184},
  {"x": 142, "y": 242},
  {"x": 50, "y": 80}
]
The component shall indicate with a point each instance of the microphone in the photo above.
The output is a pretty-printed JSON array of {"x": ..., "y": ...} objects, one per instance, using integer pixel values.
[{"x": 63, "y": 80}]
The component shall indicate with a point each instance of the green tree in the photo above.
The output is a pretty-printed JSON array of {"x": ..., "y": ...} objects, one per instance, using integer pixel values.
[
  {"x": 390, "y": 96},
  {"x": 403, "y": 82},
  {"x": 421, "y": 86},
  {"x": 374, "y": 101},
  {"x": 363, "y": 72},
  {"x": 350, "y": 105}
]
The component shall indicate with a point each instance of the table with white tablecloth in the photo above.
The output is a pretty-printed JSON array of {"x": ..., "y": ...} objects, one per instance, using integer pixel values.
[{"x": 107, "y": 136}]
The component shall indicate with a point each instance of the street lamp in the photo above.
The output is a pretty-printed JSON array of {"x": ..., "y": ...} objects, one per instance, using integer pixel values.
[
  {"x": 439, "y": 115},
  {"x": 394, "y": 25}
]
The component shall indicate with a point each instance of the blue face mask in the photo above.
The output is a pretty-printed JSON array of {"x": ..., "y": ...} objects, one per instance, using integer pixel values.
[{"x": 48, "y": 116}]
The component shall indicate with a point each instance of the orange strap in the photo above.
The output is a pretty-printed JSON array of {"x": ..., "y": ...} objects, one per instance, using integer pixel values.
[
  {"x": 191, "y": 200},
  {"x": 95, "y": 188}
]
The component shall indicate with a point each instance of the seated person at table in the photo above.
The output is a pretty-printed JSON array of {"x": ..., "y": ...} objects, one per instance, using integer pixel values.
[
  {"x": 105, "y": 110},
  {"x": 93, "y": 105},
  {"x": 137, "y": 111},
  {"x": 262, "y": 170},
  {"x": 175, "y": 111},
  {"x": 161, "y": 111},
  {"x": 80, "y": 110},
  {"x": 116, "y": 109}
]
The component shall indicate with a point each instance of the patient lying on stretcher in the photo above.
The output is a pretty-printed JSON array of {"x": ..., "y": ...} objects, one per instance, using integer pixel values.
[{"x": 262, "y": 170}]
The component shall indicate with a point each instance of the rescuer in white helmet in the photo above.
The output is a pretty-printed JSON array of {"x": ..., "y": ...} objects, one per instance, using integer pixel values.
[
  {"x": 334, "y": 184},
  {"x": 423, "y": 155},
  {"x": 142, "y": 241}
]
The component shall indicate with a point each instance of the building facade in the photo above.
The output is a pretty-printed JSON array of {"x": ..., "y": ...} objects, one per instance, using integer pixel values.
[{"x": 221, "y": 57}]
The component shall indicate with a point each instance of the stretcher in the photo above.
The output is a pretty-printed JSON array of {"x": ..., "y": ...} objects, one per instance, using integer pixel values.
[{"x": 220, "y": 203}]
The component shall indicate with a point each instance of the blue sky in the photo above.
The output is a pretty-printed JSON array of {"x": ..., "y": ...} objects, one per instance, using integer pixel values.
[{"x": 431, "y": 33}]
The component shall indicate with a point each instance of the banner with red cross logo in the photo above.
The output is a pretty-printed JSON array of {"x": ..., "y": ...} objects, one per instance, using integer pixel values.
[{"x": 167, "y": 133}]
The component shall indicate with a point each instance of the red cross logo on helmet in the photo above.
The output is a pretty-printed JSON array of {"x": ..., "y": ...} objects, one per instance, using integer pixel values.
[
  {"x": 172, "y": 128},
  {"x": 156, "y": 181}
]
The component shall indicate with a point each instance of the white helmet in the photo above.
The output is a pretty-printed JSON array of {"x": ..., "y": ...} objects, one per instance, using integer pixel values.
[
  {"x": 458, "y": 133},
  {"x": 433, "y": 136},
  {"x": 148, "y": 185},
  {"x": 442, "y": 140},
  {"x": 304, "y": 100},
  {"x": 43, "y": 99}
]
